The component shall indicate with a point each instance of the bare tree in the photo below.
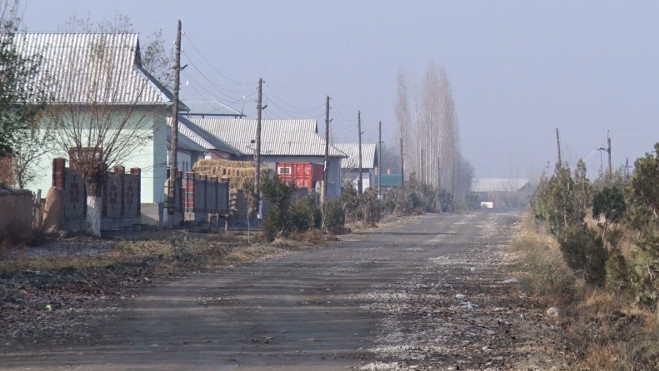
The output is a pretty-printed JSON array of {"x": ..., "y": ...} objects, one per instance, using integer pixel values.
[
  {"x": 431, "y": 143},
  {"x": 103, "y": 111},
  {"x": 404, "y": 122}
]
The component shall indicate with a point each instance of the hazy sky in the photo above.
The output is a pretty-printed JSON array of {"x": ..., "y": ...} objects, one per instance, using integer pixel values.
[{"x": 518, "y": 69}]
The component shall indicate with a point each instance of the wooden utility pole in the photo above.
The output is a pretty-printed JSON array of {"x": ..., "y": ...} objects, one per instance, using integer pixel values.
[
  {"x": 257, "y": 151},
  {"x": 558, "y": 144},
  {"x": 171, "y": 185},
  {"x": 380, "y": 160},
  {"x": 360, "y": 187},
  {"x": 439, "y": 175},
  {"x": 326, "y": 148},
  {"x": 608, "y": 150},
  {"x": 423, "y": 179},
  {"x": 402, "y": 163}
]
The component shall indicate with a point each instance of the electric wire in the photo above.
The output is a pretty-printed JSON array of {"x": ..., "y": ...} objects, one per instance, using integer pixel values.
[{"x": 212, "y": 66}]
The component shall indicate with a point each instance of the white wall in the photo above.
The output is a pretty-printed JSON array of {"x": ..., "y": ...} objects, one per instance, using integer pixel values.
[{"x": 150, "y": 157}]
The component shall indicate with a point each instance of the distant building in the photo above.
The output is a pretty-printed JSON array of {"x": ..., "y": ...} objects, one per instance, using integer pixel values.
[
  {"x": 503, "y": 192},
  {"x": 292, "y": 140},
  {"x": 389, "y": 181},
  {"x": 350, "y": 165}
]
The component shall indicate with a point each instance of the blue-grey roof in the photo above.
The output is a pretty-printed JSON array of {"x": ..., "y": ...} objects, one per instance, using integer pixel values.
[
  {"x": 369, "y": 155},
  {"x": 92, "y": 68},
  {"x": 498, "y": 184},
  {"x": 292, "y": 137},
  {"x": 210, "y": 108},
  {"x": 201, "y": 137}
]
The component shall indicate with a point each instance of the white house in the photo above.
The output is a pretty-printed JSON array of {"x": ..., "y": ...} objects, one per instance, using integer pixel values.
[
  {"x": 350, "y": 165},
  {"x": 90, "y": 74}
]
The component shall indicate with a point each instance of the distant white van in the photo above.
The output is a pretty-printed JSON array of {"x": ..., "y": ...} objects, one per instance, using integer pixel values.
[{"x": 487, "y": 205}]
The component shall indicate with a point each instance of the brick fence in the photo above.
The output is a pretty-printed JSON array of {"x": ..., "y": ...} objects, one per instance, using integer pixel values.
[
  {"x": 205, "y": 196},
  {"x": 121, "y": 198}
]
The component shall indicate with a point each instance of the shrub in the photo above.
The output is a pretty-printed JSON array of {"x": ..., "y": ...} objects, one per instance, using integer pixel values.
[
  {"x": 617, "y": 273},
  {"x": 277, "y": 222},
  {"x": 584, "y": 252},
  {"x": 305, "y": 214},
  {"x": 413, "y": 198},
  {"x": 544, "y": 271},
  {"x": 335, "y": 217},
  {"x": 371, "y": 207}
]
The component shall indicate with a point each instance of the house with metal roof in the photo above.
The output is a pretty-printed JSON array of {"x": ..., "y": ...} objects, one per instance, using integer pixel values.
[
  {"x": 350, "y": 164},
  {"x": 87, "y": 73},
  {"x": 282, "y": 140},
  {"x": 503, "y": 192}
]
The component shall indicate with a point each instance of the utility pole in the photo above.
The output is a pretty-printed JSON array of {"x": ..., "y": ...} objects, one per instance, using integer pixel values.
[
  {"x": 608, "y": 150},
  {"x": 439, "y": 175},
  {"x": 380, "y": 160},
  {"x": 402, "y": 164},
  {"x": 423, "y": 179},
  {"x": 558, "y": 144},
  {"x": 171, "y": 185},
  {"x": 257, "y": 153},
  {"x": 326, "y": 148},
  {"x": 453, "y": 178},
  {"x": 360, "y": 186}
]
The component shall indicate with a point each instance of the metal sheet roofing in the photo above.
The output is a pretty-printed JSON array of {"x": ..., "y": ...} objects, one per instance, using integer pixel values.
[
  {"x": 498, "y": 184},
  {"x": 369, "y": 159},
  {"x": 294, "y": 137},
  {"x": 92, "y": 68},
  {"x": 210, "y": 108},
  {"x": 200, "y": 137}
]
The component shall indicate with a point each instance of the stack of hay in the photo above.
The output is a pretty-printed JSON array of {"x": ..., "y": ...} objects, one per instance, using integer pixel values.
[{"x": 241, "y": 178}]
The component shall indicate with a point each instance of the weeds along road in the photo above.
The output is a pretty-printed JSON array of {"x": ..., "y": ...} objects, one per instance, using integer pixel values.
[{"x": 428, "y": 292}]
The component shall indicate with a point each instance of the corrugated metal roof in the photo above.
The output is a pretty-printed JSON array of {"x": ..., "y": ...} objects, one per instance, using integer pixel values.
[
  {"x": 185, "y": 143},
  {"x": 352, "y": 151},
  {"x": 201, "y": 137},
  {"x": 210, "y": 108},
  {"x": 295, "y": 137},
  {"x": 498, "y": 184},
  {"x": 92, "y": 68}
]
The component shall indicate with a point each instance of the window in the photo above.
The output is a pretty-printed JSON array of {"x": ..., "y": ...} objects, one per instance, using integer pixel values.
[{"x": 284, "y": 170}]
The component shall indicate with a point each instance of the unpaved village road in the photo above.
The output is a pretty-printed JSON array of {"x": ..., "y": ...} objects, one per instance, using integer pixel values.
[{"x": 432, "y": 292}]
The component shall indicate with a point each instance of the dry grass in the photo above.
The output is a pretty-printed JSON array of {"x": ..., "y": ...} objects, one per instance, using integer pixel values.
[
  {"x": 250, "y": 253},
  {"x": 303, "y": 240},
  {"x": 603, "y": 329},
  {"x": 542, "y": 270}
]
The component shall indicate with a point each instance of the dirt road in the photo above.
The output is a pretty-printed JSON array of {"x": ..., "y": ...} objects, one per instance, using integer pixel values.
[{"x": 429, "y": 293}]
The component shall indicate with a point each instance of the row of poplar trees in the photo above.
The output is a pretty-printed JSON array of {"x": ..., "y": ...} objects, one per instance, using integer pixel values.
[{"x": 428, "y": 128}]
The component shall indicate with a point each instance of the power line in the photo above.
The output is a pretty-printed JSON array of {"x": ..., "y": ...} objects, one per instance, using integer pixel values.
[
  {"x": 226, "y": 97},
  {"x": 290, "y": 106},
  {"x": 213, "y": 66},
  {"x": 216, "y": 86}
]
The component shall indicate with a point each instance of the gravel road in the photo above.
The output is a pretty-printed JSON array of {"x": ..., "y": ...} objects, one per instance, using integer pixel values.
[{"x": 430, "y": 292}]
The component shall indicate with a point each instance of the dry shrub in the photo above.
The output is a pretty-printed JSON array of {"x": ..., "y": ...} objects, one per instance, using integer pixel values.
[
  {"x": 605, "y": 338},
  {"x": 15, "y": 234},
  {"x": 543, "y": 270}
]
